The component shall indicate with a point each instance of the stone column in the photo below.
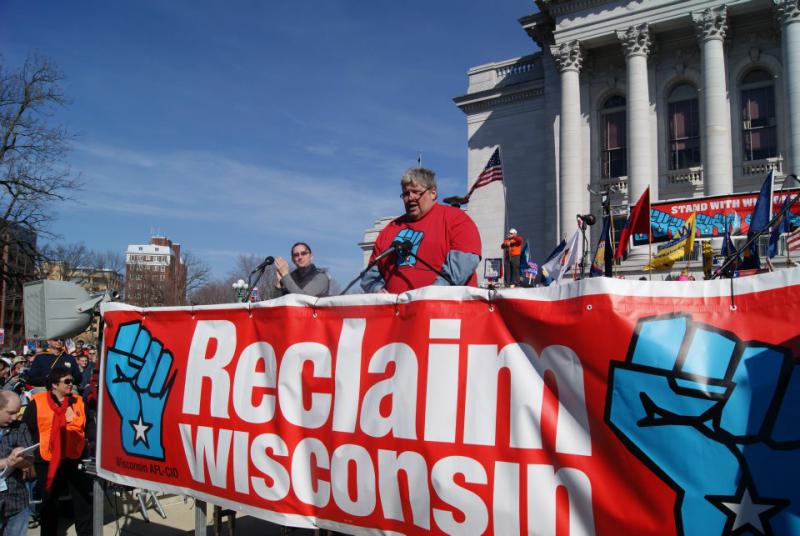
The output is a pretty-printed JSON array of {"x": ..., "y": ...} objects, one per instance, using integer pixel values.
[
  {"x": 636, "y": 43},
  {"x": 569, "y": 58},
  {"x": 789, "y": 16},
  {"x": 711, "y": 25}
]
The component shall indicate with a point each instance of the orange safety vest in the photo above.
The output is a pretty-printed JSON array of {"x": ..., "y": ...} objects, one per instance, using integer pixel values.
[
  {"x": 514, "y": 245},
  {"x": 74, "y": 439}
]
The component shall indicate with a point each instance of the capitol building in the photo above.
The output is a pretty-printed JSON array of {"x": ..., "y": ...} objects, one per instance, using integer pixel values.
[{"x": 693, "y": 98}]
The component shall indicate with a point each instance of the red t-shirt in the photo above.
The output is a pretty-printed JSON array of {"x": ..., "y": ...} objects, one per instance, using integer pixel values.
[{"x": 441, "y": 230}]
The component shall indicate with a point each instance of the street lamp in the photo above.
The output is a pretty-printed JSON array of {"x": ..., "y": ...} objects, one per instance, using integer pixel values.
[{"x": 240, "y": 287}]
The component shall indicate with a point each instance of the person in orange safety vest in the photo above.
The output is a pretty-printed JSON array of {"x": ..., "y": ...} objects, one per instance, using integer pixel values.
[
  {"x": 513, "y": 249},
  {"x": 56, "y": 419}
]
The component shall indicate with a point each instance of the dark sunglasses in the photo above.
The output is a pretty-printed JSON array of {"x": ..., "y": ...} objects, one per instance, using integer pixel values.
[{"x": 66, "y": 381}]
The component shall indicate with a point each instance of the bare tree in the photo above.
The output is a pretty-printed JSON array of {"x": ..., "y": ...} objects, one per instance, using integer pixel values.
[
  {"x": 213, "y": 292},
  {"x": 33, "y": 174},
  {"x": 245, "y": 264},
  {"x": 196, "y": 272},
  {"x": 111, "y": 264},
  {"x": 65, "y": 262}
]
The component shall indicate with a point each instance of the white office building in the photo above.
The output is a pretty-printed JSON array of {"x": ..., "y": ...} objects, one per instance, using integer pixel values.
[{"x": 693, "y": 98}]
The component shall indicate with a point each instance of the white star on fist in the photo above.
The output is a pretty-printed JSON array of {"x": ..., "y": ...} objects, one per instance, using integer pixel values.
[
  {"x": 748, "y": 512},
  {"x": 140, "y": 429}
]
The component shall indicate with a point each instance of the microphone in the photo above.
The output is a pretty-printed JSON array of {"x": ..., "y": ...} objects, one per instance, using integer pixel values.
[
  {"x": 403, "y": 248},
  {"x": 456, "y": 201},
  {"x": 388, "y": 251},
  {"x": 269, "y": 260}
]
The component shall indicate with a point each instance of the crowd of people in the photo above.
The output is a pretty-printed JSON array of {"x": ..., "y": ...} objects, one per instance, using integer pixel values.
[{"x": 47, "y": 423}]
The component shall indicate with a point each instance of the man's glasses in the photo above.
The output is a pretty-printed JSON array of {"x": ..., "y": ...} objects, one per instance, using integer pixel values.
[
  {"x": 414, "y": 194},
  {"x": 300, "y": 254},
  {"x": 66, "y": 381}
]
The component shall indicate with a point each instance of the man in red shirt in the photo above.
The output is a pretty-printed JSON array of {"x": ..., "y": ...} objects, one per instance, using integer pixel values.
[{"x": 442, "y": 236}]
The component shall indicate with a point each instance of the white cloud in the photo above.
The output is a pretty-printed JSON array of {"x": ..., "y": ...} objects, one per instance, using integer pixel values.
[
  {"x": 322, "y": 150},
  {"x": 215, "y": 195}
]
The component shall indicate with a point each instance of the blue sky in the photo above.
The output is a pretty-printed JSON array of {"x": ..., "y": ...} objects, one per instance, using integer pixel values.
[{"x": 245, "y": 126}]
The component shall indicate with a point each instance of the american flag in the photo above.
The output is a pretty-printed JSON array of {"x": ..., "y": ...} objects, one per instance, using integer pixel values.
[
  {"x": 492, "y": 172},
  {"x": 793, "y": 240}
]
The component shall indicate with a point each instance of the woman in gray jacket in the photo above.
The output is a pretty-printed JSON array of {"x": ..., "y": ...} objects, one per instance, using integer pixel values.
[{"x": 306, "y": 278}]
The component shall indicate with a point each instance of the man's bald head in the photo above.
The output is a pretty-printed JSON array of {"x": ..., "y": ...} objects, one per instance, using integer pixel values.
[{"x": 9, "y": 407}]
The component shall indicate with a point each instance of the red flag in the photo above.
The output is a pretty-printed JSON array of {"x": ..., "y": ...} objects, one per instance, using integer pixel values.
[{"x": 638, "y": 223}]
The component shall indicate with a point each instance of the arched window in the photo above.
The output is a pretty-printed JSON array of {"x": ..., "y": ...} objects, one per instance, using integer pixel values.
[
  {"x": 758, "y": 116},
  {"x": 614, "y": 155},
  {"x": 684, "y": 127}
]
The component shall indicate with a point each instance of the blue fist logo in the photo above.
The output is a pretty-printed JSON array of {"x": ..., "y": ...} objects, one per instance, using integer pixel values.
[
  {"x": 139, "y": 381},
  {"x": 717, "y": 419},
  {"x": 415, "y": 237}
]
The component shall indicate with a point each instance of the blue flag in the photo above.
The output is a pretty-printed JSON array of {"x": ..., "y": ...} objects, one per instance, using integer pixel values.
[
  {"x": 727, "y": 245},
  {"x": 524, "y": 257},
  {"x": 603, "y": 257},
  {"x": 759, "y": 220},
  {"x": 545, "y": 268},
  {"x": 779, "y": 228}
]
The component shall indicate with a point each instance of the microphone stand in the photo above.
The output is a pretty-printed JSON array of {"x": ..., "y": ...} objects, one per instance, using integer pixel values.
[
  {"x": 251, "y": 286},
  {"x": 584, "y": 245},
  {"x": 373, "y": 262},
  {"x": 404, "y": 252}
]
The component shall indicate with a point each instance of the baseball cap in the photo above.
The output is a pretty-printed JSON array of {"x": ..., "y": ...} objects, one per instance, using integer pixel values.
[{"x": 512, "y": 231}]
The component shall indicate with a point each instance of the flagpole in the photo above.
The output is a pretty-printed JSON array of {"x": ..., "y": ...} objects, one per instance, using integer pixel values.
[
  {"x": 649, "y": 238},
  {"x": 505, "y": 200},
  {"x": 613, "y": 242}
]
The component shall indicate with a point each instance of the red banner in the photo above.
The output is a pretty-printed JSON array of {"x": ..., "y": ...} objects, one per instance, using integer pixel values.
[
  {"x": 597, "y": 407},
  {"x": 713, "y": 214}
]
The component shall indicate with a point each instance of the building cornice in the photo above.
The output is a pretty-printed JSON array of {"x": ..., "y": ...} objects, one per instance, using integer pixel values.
[
  {"x": 556, "y": 8},
  {"x": 539, "y": 27},
  {"x": 482, "y": 101}
]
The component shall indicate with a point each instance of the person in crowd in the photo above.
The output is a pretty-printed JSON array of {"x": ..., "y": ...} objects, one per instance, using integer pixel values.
[
  {"x": 56, "y": 419},
  {"x": 79, "y": 348},
  {"x": 85, "y": 368},
  {"x": 54, "y": 357},
  {"x": 14, "y": 438},
  {"x": 512, "y": 248},
  {"x": 306, "y": 278},
  {"x": 91, "y": 351},
  {"x": 5, "y": 369},
  {"x": 442, "y": 236},
  {"x": 18, "y": 364},
  {"x": 15, "y": 381}
]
